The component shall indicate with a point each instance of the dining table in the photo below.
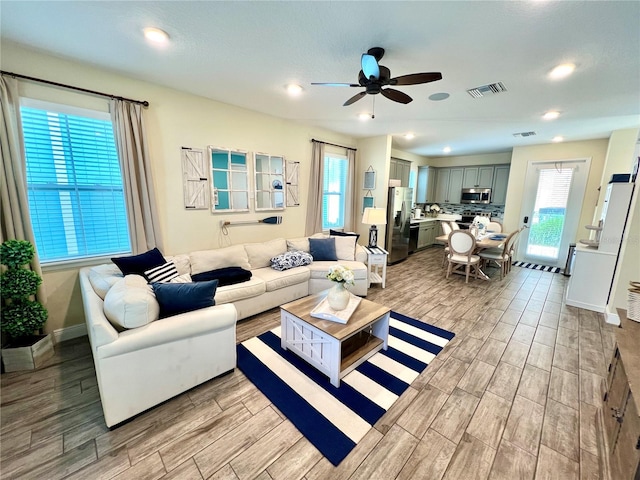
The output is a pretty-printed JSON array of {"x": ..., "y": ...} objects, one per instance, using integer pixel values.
[{"x": 482, "y": 242}]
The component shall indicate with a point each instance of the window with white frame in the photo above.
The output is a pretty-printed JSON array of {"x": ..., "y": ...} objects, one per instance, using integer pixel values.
[
  {"x": 74, "y": 183},
  {"x": 336, "y": 171}
]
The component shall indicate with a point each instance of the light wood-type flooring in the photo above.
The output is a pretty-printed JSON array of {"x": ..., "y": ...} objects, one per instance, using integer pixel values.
[{"x": 513, "y": 396}]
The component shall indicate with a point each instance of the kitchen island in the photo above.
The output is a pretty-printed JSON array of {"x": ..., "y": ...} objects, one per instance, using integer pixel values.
[{"x": 424, "y": 230}]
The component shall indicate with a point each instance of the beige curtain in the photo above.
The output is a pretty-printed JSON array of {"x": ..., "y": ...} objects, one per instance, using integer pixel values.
[
  {"x": 350, "y": 203},
  {"x": 131, "y": 142},
  {"x": 316, "y": 181},
  {"x": 15, "y": 220}
]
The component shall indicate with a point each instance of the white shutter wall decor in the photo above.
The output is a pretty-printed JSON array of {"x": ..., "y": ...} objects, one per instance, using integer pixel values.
[
  {"x": 195, "y": 171},
  {"x": 292, "y": 184}
]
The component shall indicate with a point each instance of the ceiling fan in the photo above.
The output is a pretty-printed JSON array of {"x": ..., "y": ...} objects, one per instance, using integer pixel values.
[{"x": 374, "y": 76}]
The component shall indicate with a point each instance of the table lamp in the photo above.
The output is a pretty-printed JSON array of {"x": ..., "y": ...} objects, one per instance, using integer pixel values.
[{"x": 373, "y": 217}]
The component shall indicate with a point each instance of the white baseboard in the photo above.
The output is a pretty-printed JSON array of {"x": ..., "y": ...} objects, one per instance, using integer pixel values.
[
  {"x": 67, "y": 333},
  {"x": 611, "y": 317}
]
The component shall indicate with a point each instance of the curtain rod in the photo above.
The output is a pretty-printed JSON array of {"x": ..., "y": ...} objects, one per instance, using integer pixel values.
[
  {"x": 334, "y": 144},
  {"x": 144, "y": 103}
]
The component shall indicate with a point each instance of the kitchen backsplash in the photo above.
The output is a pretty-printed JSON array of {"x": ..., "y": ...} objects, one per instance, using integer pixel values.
[{"x": 496, "y": 211}]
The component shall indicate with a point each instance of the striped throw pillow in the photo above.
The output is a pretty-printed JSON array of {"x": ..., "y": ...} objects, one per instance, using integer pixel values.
[{"x": 162, "y": 273}]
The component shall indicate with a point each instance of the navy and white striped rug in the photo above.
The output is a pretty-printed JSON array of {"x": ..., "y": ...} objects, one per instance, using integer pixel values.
[
  {"x": 336, "y": 419},
  {"x": 535, "y": 266}
]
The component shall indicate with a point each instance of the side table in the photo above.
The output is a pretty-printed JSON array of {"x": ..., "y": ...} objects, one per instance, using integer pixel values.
[{"x": 376, "y": 257}]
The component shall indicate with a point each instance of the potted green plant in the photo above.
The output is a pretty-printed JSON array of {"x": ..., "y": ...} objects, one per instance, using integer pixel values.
[{"x": 22, "y": 316}]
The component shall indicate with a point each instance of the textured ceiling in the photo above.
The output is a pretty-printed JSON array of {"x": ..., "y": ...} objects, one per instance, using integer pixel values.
[{"x": 243, "y": 53}]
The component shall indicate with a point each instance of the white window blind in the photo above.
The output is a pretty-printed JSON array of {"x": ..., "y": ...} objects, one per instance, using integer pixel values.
[
  {"x": 74, "y": 185},
  {"x": 336, "y": 169}
]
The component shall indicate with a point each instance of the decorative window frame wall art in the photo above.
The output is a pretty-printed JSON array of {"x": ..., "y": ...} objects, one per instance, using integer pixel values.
[
  {"x": 229, "y": 179},
  {"x": 269, "y": 182},
  {"x": 293, "y": 169},
  {"x": 195, "y": 178},
  {"x": 369, "y": 182}
]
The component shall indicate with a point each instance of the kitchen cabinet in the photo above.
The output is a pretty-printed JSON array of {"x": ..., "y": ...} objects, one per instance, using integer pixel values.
[
  {"x": 619, "y": 412},
  {"x": 426, "y": 234},
  {"x": 499, "y": 185},
  {"x": 400, "y": 170},
  {"x": 478, "y": 177},
  {"x": 449, "y": 185},
  {"x": 425, "y": 189}
]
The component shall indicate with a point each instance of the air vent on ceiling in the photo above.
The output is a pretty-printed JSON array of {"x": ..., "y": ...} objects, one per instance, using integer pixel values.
[
  {"x": 485, "y": 90},
  {"x": 524, "y": 134}
]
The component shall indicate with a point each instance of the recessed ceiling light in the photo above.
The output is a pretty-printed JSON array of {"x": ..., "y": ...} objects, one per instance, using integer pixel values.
[
  {"x": 436, "y": 97},
  {"x": 294, "y": 89},
  {"x": 409, "y": 136},
  {"x": 365, "y": 116},
  {"x": 562, "y": 71},
  {"x": 156, "y": 35},
  {"x": 446, "y": 149},
  {"x": 557, "y": 139},
  {"x": 551, "y": 115}
]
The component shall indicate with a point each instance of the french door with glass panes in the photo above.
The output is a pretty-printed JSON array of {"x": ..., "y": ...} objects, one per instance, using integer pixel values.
[{"x": 551, "y": 206}]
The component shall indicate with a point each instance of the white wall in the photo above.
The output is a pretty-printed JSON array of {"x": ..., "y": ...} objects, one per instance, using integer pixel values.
[
  {"x": 174, "y": 119},
  {"x": 594, "y": 149}
]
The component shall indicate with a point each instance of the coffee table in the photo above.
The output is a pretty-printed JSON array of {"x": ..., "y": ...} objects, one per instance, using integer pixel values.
[{"x": 333, "y": 348}]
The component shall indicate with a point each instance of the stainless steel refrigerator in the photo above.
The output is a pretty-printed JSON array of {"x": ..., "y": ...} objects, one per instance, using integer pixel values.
[{"x": 399, "y": 202}]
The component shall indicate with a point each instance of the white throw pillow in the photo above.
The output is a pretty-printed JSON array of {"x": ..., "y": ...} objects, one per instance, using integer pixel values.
[
  {"x": 103, "y": 277},
  {"x": 345, "y": 247},
  {"x": 130, "y": 303},
  {"x": 298, "y": 244},
  {"x": 207, "y": 260},
  {"x": 181, "y": 262},
  {"x": 260, "y": 254},
  {"x": 184, "y": 278}
]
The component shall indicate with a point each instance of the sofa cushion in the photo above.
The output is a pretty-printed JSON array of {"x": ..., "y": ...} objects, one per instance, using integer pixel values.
[
  {"x": 130, "y": 303},
  {"x": 320, "y": 269},
  {"x": 225, "y": 276},
  {"x": 239, "y": 291},
  {"x": 162, "y": 273},
  {"x": 207, "y": 260},
  {"x": 260, "y": 254},
  {"x": 288, "y": 260},
  {"x": 181, "y": 262},
  {"x": 103, "y": 277},
  {"x": 275, "y": 280},
  {"x": 345, "y": 247},
  {"x": 300, "y": 244},
  {"x": 177, "y": 298},
  {"x": 323, "y": 249},
  {"x": 137, "y": 264}
]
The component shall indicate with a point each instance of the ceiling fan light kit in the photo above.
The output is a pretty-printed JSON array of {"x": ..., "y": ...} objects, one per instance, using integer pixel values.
[{"x": 373, "y": 77}]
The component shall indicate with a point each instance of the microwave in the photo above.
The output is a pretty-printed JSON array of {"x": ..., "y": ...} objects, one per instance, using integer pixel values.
[{"x": 476, "y": 195}]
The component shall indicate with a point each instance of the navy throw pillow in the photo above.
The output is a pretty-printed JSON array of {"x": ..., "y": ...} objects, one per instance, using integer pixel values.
[
  {"x": 338, "y": 233},
  {"x": 176, "y": 298},
  {"x": 138, "y": 264},
  {"x": 225, "y": 276},
  {"x": 323, "y": 249}
]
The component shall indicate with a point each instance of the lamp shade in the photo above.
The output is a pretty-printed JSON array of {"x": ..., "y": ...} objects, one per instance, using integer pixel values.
[{"x": 374, "y": 216}]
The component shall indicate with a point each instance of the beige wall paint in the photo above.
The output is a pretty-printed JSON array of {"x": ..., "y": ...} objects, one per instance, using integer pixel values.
[
  {"x": 463, "y": 160},
  {"x": 594, "y": 149},
  {"x": 173, "y": 120}
]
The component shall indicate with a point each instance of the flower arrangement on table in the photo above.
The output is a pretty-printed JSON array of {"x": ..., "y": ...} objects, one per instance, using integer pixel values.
[
  {"x": 434, "y": 210},
  {"x": 341, "y": 274}
]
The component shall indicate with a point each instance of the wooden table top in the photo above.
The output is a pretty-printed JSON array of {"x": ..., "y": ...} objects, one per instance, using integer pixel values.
[
  {"x": 366, "y": 313},
  {"x": 486, "y": 242}
]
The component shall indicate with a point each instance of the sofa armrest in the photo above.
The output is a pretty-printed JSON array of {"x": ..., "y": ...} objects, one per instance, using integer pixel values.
[
  {"x": 171, "y": 329},
  {"x": 361, "y": 254}
]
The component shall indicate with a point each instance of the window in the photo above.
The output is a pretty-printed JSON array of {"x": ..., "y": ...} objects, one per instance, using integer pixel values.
[
  {"x": 336, "y": 168},
  {"x": 74, "y": 184}
]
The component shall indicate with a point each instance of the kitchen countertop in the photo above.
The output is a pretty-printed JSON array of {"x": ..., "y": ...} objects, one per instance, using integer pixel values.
[{"x": 445, "y": 217}]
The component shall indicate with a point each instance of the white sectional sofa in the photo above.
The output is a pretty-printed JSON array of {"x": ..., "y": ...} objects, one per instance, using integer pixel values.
[{"x": 138, "y": 368}]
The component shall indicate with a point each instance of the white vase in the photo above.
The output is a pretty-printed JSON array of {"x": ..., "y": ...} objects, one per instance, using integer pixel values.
[{"x": 338, "y": 297}]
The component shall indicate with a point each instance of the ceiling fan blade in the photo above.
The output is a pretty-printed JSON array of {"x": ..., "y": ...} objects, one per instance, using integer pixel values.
[
  {"x": 396, "y": 95},
  {"x": 336, "y": 84},
  {"x": 354, "y": 99},
  {"x": 370, "y": 66},
  {"x": 416, "y": 78}
]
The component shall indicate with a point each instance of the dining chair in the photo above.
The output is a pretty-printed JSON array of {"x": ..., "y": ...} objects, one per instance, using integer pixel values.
[
  {"x": 446, "y": 230},
  {"x": 454, "y": 225},
  {"x": 462, "y": 245},
  {"x": 502, "y": 256},
  {"x": 495, "y": 227},
  {"x": 514, "y": 248}
]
